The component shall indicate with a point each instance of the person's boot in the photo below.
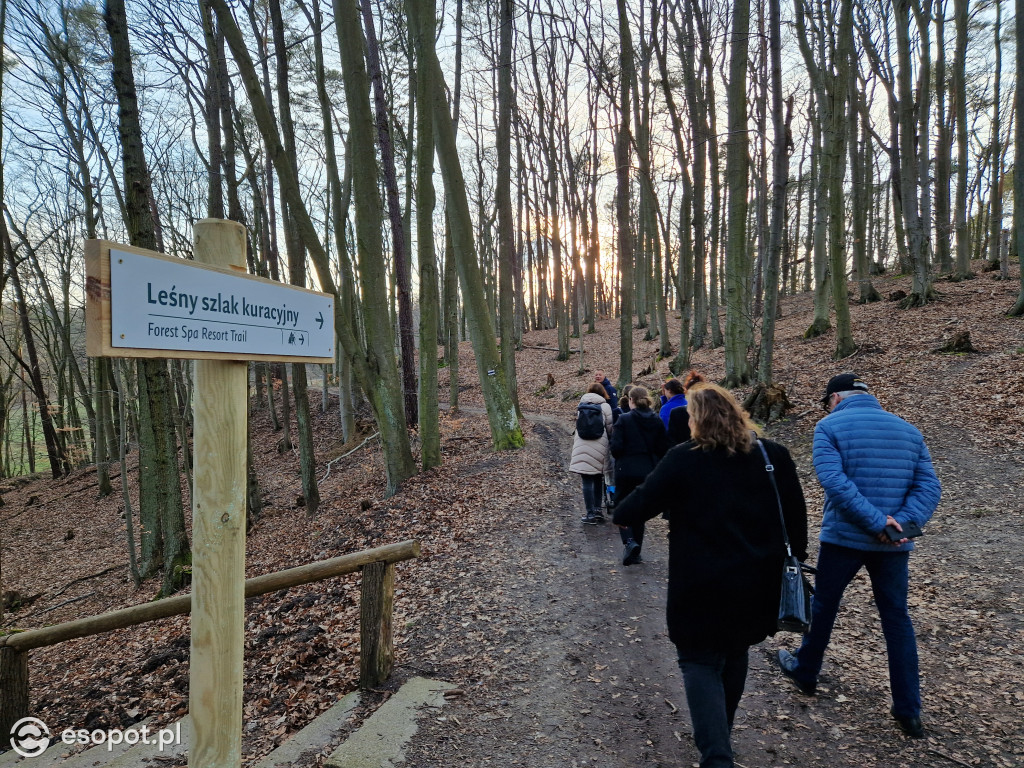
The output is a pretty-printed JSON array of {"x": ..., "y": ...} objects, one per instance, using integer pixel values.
[
  {"x": 788, "y": 664},
  {"x": 630, "y": 552},
  {"x": 909, "y": 725}
]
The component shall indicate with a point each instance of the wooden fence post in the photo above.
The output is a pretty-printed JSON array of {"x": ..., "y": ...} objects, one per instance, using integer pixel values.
[
  {"x": 13, "y": 691},
  {"x": 376, "y": 614},
  {"x": 218, "y": 533}
]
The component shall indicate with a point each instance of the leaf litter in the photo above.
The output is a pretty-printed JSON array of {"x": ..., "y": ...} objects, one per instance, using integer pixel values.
[{"x": 560, "y": 653}]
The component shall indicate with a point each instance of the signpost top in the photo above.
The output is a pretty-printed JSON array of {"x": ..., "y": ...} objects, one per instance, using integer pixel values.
[{"x": 144, "y": 304}]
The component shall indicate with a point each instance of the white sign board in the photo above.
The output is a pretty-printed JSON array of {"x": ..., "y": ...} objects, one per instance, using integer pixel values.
[{"x": 171, "y": 304}]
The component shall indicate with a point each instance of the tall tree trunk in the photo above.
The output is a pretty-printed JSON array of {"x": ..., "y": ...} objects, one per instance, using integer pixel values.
[
  {"x": 783, "y": 145},
  {"x": 943, "y": 148},
  {"x": 219, "y": 104},
  {"x": 836, "y": 145},
  {"x": 860, "y": 196},
  {"x": 340, "y": 199},
  {"x": 687, "y": 225},
  {"x": 374, "y": 364},
  {"x": 622, "y": 200},
  {"x": 501, "y": 411},
  {"x": 911, "y": 183},
  {"x": 819, "y": 71},
  {"x": 995, "y": 147},
  {"x": 60, "y": 466},
  {"x": 1017, "y": 310},
  {"x": 399, "y": 246},
  {"x": 503, "y": 200},
  {"x": 297, "y": 276},
  {"x": 962, "y": 269},
  {"x": 450, "y": 310},
  {"x": 737, "y": 166},
  {"x": 430, "y": 435},
  {"x": 701, "y": 134},
  {"x": 158, "y": 464}
]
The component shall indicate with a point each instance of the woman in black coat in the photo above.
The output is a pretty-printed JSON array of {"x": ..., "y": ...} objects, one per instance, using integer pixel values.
[
  {"x": 638, "y": 443},
  {"x": 725, "y": 554}
]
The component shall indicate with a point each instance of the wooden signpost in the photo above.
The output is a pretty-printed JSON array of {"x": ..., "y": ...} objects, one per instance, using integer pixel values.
[{"x": 143, "y": 304}]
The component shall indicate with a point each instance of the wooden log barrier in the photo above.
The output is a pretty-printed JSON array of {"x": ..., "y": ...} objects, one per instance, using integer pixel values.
[
  {"x": 376, "y": 638},
  {"x": 376, "y": 633},
  {"x": 13, "y": 691},
  {"x": 377, "y": 651},
  {"x": 175, "y": 606}
]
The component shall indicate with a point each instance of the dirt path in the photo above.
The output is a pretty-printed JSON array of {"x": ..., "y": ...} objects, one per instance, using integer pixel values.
[
  {"x": 586, "y": 674},
  {"x": 563, "y": 657}
]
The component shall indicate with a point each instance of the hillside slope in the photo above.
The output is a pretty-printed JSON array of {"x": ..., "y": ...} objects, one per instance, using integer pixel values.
[{"x": 486, "y": 607}]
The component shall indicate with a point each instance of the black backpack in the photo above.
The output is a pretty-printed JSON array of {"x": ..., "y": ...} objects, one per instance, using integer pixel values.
[{"x": 589, "y": 421}]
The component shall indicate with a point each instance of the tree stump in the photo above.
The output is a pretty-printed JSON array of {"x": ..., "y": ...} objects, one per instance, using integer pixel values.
[
  {"x": 767, "y": 403},
  {"x": 897, "y": 296},
  {"x": 819, "y": 327},
  {"x": 959, "y": 344}
]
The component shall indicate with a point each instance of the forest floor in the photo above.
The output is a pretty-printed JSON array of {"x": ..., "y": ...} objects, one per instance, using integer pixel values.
[{"x": 560, "y": 653}]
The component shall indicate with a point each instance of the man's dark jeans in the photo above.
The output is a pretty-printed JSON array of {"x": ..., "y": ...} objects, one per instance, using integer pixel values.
[
  {"x": 714, "y": 683},
  {"x": 889, "y": 573},
  {"x": 593, "y": 492}
]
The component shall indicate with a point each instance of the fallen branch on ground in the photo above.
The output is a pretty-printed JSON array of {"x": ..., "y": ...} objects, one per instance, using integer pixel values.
[{"x": 339, "y": 458}]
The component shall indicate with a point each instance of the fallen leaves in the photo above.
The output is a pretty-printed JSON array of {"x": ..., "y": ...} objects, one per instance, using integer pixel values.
[{"x": 462, "y": 609}]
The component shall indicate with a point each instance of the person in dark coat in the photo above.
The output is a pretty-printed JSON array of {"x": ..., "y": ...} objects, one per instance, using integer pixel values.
[
  {"x": 613, "y": 395},
  {"x": 638, "y": 443},
  {"x": 679, "y": 417},
  {"x": 624, "y": 400},
  {"x": 726, "y": 553}
]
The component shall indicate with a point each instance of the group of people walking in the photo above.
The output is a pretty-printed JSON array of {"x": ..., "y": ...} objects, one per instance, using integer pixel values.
[
  {"x": 700, "y": 462},
  {"x": 634, "y": 439}
]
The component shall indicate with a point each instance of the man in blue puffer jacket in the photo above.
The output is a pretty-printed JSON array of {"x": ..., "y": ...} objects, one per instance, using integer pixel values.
[{"x": 876, "y": 471}]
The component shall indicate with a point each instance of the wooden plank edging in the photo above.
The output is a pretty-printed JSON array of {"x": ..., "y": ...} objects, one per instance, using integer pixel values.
[{"x": 181, "y": 604}]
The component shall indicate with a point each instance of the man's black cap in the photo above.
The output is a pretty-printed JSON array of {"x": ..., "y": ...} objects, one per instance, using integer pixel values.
[{"x": 844, "y": 382}]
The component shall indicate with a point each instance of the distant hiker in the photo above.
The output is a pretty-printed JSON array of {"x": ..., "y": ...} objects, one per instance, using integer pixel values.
[
  {"x": 725, "y": 554},
  {"x": 638, "y": 443},
  {"x": 673, "y": 395},
  {"x": 610, "y": 392},
  {"x": 876, "y": 472},
  {"x": 678, "y": 418},
  {"x": 624, "y": 400},
  {"x": 590, "y": 457}
]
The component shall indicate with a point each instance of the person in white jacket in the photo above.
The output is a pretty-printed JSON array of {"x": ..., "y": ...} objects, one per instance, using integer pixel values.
[{"x": 591, "y": 458}]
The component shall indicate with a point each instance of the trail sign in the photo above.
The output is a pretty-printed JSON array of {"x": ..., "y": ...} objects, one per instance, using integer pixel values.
[{"x": 143, "y": 304}]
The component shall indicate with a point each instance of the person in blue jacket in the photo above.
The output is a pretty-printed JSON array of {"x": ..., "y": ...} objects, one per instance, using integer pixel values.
[
  {"x": 876, "y": 471},
  {"x": 673, "y": 395}
]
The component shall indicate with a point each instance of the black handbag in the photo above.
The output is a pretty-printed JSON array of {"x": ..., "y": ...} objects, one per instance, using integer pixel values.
[{"x": 795, "y": 600}]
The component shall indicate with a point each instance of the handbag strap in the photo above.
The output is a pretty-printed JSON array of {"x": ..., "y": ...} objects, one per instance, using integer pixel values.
[{"x": 770, "y": 469}]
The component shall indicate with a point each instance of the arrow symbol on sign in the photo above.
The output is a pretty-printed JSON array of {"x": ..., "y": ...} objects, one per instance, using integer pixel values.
[{"x": 320, "y": 319}]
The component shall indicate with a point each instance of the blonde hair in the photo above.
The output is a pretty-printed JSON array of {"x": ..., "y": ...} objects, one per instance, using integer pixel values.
[
  {"x": 641, "y": 398},
  {"x": 718, "y": 420}
]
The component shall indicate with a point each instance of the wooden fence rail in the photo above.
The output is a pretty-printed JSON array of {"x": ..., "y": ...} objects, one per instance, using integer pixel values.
[{"x": 375, "y": 629}]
